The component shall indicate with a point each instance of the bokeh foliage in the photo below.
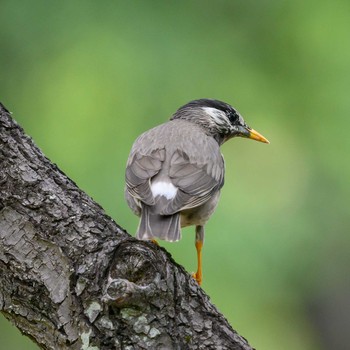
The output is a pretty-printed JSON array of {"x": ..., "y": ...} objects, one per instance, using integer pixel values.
[{"x": 86, "y": 78}]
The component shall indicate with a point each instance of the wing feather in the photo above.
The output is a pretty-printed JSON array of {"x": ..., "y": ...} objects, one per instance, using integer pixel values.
[
  {"x": 195, "y": 183},
  {"x": 179, "y": 152},
  {"x": 140, "y": 169}
]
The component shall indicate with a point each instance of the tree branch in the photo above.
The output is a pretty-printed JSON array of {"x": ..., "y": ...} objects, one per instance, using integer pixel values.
[{"x": 71, "y": 278}]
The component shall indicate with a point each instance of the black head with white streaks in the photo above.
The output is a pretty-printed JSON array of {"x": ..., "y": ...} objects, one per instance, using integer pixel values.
[{"x": 219, "y": 119}]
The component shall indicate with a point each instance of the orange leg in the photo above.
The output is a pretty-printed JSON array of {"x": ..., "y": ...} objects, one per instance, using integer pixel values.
[
  {"x": 199, "y": 244},
  {"x": 154, "y": 241}
]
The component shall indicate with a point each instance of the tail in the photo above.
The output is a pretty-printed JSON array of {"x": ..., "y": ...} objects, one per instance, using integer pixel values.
[{"x": 153, "y": 226}]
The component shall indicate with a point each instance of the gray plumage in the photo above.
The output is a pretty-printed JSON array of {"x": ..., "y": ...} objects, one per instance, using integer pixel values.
[
  {"x": 175, "y": 171},
  {"x": 177, "y": 152}
]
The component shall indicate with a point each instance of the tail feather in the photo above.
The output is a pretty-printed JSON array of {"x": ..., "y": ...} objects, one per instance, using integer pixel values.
[{"x": 153, "y": 226}]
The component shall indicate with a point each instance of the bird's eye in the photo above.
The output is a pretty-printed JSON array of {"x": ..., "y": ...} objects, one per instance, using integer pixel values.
[{"x": 233, "y": 116}]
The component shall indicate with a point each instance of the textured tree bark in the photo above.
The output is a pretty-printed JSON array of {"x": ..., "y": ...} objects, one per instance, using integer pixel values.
[{"x": 71, "y": 278}]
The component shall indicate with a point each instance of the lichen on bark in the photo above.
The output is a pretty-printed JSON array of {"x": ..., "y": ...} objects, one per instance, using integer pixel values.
[{"x": 71, "y": 278}]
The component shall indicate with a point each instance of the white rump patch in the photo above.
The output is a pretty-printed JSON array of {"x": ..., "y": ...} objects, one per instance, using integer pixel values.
[{"x": 165, "y": 189}]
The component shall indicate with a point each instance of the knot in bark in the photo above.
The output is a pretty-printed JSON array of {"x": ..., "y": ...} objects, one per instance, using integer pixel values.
[{"x": 137, "y": 274}]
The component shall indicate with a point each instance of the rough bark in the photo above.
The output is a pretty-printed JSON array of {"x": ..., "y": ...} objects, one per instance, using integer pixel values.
[{"x": 71, "y": 278}]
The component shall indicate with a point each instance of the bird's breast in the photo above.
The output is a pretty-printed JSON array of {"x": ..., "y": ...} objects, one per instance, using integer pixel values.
[{"x": 200, "y": 215}]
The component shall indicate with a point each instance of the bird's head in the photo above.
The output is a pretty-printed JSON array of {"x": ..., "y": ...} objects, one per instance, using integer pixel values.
[{"x": 218, "y": 119}]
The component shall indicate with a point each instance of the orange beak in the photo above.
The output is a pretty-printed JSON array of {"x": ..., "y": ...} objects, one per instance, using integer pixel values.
[
  {"x": 246, "y": 131},
  {"x": 254, "y": 135}
]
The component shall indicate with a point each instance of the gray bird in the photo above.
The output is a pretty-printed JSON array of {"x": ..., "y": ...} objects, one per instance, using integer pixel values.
[{"x": 175, "y": 171}]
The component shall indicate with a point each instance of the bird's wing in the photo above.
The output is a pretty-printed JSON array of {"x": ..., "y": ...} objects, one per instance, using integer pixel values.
[
  {"x": 140, "y": 169},
  {"x": 196, "y": 175},
  {"x": 191, "y": 160}
]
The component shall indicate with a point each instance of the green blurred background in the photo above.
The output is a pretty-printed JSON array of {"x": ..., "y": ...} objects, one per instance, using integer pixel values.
[{"x": 85, "y": 78}]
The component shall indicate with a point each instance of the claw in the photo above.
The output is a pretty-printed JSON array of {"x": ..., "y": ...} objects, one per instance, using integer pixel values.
[{"x": 198, "y": 277}]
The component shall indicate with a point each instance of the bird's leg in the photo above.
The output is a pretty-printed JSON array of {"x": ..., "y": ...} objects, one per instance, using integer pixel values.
[{"x": 199, "y": 244}]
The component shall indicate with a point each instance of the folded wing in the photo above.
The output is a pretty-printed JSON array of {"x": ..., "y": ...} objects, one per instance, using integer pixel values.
[{"x": 195, "y": 182}]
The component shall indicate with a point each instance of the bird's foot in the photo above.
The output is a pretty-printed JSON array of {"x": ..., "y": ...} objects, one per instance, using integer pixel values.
[
  {"x": 198, "y": 277},
  {"x": 154, "y": 241}
]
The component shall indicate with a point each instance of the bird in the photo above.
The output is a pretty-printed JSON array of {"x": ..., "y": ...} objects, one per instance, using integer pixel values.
[{"x": 175, "y": 171}]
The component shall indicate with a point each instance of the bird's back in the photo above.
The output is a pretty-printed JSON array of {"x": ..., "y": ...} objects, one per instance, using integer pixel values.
[
  {"x": 179, "y": 135},
  {"x": 171, "y": 168}
]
